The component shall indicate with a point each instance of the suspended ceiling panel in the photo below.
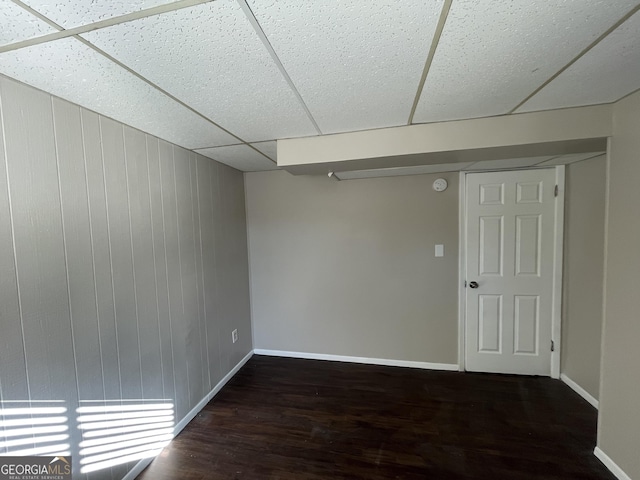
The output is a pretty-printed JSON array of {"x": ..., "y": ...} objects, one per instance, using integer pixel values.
[
  {"x": 491, "y": 55},
  {"x": 356, "y": 64},
  {"x": 210, "y": 57},
  {"x": 73, "y": 13},
  {"x": 268, "y": 148},
  {"x": 16, "y": 24},
  {"x": 607, "y": 72},
  {"x": 71, "y": 70},
  {"x": 240, "y": 157}
]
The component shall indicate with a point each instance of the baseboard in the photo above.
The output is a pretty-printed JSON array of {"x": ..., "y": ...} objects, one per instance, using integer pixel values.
[
  {"x": 137, "y": 469},
  {"x": 144, "y": 463},
  {"x": 610, "y": 464},
  {"x": 371, "y": 361},
  {"x": 579, "y": 390}
]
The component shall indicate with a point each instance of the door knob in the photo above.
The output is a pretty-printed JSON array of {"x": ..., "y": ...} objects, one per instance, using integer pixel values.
[{"x": 473, "y": 284}]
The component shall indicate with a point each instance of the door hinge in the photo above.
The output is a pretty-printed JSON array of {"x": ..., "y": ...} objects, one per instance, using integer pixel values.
[
  {"x": 555, "y": 191},
  {"x": 465, "y": 284},
  {"x": 553, "y": 346}
]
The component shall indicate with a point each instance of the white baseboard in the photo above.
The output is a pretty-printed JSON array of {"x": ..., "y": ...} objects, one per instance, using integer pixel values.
[
  {"x": 371, "y": 361},
  {"x": 142, "y": 464},
  {"x": 610, "y": 464},
  {"x": 579, "y": 390}
]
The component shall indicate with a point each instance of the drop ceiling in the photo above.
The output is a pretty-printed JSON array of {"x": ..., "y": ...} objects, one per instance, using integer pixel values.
[{"x": 227, "y": 78}]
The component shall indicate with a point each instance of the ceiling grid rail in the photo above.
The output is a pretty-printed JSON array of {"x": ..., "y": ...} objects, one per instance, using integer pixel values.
[
  {"x": 446, "y": 14},
  {"x": 66, "y": 33},
  {"x": 604, "y": 35},
  {"x": 274, "y": 56},
  {"x": 432, "y": 51},
  {"x": 109, "y": 22}
]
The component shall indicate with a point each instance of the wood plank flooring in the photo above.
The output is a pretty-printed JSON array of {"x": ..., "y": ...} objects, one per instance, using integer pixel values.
[{"x": 304, "y": 419}]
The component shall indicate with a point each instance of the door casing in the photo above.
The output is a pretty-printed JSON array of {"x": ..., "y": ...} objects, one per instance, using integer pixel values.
[{"x": 556, "y": 300}]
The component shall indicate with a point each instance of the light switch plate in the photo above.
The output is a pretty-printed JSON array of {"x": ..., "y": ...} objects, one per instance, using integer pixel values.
[{"x": 439, "y": 250}]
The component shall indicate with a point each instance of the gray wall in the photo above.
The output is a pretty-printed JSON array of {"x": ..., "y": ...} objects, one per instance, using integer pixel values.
[
  {"x": 123, "y": 263},
  {"x": 348, "y": 268},
  {"x": 585, "y": 202},
  {"x": 619, "y": 421}
]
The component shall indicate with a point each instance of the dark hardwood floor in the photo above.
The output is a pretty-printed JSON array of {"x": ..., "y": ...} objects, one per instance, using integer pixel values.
[{"x": 304, "y": 419}]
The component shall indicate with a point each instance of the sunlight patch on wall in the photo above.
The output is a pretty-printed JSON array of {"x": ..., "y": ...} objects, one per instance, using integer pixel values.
[
  {"x": 118, "y": 432},
  {"x": 34, "y": 428}
]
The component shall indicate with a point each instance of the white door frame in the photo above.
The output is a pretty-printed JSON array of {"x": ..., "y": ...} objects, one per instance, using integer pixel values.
[{"x": 558, "y": 250}]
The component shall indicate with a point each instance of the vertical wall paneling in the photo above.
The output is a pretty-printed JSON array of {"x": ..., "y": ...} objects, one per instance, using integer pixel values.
[
  {"x": 92, "y": 140},
  {"x": 115, "y": 175},
  {"x": 167, "y": 176},
  {"x": 13, "y": 373},
  {"x": 220, "y": 264},
  {"x": 103, "y": 278},
  {"x": 143, "y": 262},
  {"x": 205, "y": 201},
  {"x": 118, "y": 279},
  {"x": 238, "y": 270},
  {"x": 79, "y": 254},
  {"x": 202, "y": 337},
  {"x": 160, "y": 264},
  {"x": 188, "y": 272},
  {"x": 39, "y": 248}
]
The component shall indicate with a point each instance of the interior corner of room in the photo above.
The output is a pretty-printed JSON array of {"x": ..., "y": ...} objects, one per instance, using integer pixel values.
[{"x": 156, "y": 234}]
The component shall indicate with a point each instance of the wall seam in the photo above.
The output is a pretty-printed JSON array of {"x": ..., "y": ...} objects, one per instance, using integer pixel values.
[
  {"x": 64, "y": 247},
  {"x": 133, "y": 257},
  {"x": 166, "y": 261},
  {"x": 175, "y": 186},
  {"x": 113, "y": 292},
  {"x": 13, "y": 240},
  {"x": 155, "y": 268}
]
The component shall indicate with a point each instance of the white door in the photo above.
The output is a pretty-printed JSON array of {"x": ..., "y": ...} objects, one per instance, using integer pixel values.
[{"x": 509, "y": 271}]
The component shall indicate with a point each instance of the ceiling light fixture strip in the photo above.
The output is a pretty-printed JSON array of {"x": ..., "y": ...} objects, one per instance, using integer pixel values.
[
  {"x": 632, "y": 12},
  {"x": 274, "y": 56},
  {"x": 432, "y": 51},
  {"x": 109, "y": 22}
]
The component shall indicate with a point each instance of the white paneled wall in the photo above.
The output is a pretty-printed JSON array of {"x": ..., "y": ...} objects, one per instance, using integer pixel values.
[{"x": 123, "y": 264}]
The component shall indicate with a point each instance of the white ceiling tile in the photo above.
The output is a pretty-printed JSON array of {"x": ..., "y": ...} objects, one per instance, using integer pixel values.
[
  {"x": 399, "y": 171},
  {"x": 71, "y": 70},
  {"x": 508, "y": 163},
  {"x": 570, "y": 158},
  {"x": 210, "y": 57},
  {"x": 268, "y": 148},
  {"x": 493, "y": 54},
  {"x": 356, "y": 64},
  {"x": 606, "y": 73},
  {"x": 16, "y": 24},
  {"x": 73, "y": 13},
  {"x": 240, "y": 157}
]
